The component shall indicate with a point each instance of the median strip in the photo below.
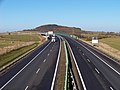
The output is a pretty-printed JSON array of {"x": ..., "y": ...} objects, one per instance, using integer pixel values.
[
  {"x": 60, "y": 78},
  {"x": 66, "y": 72}
]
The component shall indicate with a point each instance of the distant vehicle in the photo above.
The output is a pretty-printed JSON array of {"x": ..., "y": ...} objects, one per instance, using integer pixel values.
[
  {"x": 53, "y": 39},
  {"x": 50, "y": 33}
]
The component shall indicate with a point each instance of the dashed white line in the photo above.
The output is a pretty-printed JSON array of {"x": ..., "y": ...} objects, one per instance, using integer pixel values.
[
  {"x": 88, "y": 60},
  {"x": 83, "y": 53},
  {"x": 23, "y": 68},
  {"x": 48, "y": 54},
  {"x": 97, "y": 70},
  {"x": 111, "y": 88},
  {"x": 44, "y": 60},
  {"x": 99, "y": 58},
  {"x": 38, "y": 70},
  {"x": 26, "y": 88},
  {"x": 51, "y": 50}
]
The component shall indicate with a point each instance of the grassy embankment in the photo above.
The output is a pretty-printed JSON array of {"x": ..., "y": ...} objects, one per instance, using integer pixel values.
[
  {"x": 113, "y": 42},
  {"x": 16, "y": 41},
  {"x": 10, "y": 56},
  {"x": 108, "y": 43}
]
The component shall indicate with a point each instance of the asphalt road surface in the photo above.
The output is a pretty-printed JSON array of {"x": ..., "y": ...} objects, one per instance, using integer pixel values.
[
  {"x": 98, "y": 71},
  {"x": 35, "y": 71}
]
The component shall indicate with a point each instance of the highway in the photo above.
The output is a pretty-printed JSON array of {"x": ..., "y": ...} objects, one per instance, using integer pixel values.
[
  {"x": 35, "y": 71},
  {"x": 98, "y": 72}
]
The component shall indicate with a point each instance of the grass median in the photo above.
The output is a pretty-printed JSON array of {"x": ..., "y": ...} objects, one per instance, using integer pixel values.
[{"x": 10, "y": 56}]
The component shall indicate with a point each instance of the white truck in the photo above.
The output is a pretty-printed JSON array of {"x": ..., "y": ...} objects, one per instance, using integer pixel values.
[
  {"x": 50, "y": 33},
  {"x": 53, "y": 39}
]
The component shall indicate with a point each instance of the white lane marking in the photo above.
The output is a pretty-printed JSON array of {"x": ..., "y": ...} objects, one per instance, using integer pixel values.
[
  {"x": 97, "y": 70},
  {"x": 99, "y": 58},
  {"x": 51, "y": 50},
  {"x": 88, "y": 60},
  {"x": 80, "y": 75},
  {"x": 23, "y": 68},
  {"x": 38, "y": 70},
  {"x": 111, "y": 88},
  {"x": 55, "y": 73},
  {"x": 48, "y": 54},
  {"x": 83, "y": 53},
  {"x": 26, "y": 88},
  {"x": 44, "y": 60}
]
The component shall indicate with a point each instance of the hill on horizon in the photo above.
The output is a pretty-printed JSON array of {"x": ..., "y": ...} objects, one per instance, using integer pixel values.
[{"x": 58, "y": 29}]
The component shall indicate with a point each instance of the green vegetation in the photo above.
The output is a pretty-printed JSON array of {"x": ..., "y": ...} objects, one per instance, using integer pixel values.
[
  {"x": 88, "y": 35},
  {"x": 15, "y": 44},
  {"x": 9, "y": 40},
  {"x": 8, "y": 57},
  {"x": 24, "y": 38},
  {"x": 113, "y": 42},
  {"x": 6, "y": 43}
]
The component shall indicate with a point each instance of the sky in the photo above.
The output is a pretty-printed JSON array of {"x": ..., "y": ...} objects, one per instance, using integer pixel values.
[{"x": 90, "y": 15}]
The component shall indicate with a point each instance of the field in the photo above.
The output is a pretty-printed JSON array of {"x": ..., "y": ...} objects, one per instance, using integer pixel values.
[
  {"x": 101, "y": 35},
  {"x": 112, "y": 42},
  {"x": 9, "y": 40},
  {"x": 8, "y": 57},
  {"x": 13, "y": 45}
]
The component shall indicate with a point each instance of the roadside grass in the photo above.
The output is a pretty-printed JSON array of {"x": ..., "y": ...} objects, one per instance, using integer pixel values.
[
  {"x": 23, "y": 38},
  {"x": 113, "y": 42},
  {"x": 8, "y": 57},
  {"x": 10, "y": 40},
  {"x": 5, "y": 43},
  {"x": 88, "y": 36}
]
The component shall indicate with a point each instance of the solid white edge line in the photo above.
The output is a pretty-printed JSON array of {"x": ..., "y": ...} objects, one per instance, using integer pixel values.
[
  {"x": 80, "y": 75},
  {"x": 23, "y": 68},
  {"x": 56, "y": 68},
  {"x": 99, "y": 58},
  {"x": 26, "y": 88}
]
